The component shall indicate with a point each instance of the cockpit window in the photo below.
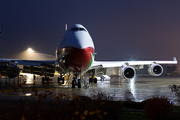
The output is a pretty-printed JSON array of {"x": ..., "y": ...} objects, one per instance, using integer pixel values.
[{"x": 77, "y": 29}]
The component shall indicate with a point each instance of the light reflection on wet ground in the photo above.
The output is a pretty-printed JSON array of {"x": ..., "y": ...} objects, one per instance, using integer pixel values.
[{"x": 138, "y": 89}]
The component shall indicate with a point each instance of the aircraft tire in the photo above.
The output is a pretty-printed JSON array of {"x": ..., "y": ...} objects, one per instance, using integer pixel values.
[
  {"x": 58, "y": 79},
  {"x": 79, "y": 83},
  {"x": 62, "y": 80},
  {"x": 73, "y": 84},
  {"x": 42, "y": 80},
  {"x": 90, "y": 80},
  {"x": 95, "y": 80}
]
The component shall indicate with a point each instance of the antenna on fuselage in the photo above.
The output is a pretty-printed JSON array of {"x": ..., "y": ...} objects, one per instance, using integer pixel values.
[{"x": 65, "y": 27}]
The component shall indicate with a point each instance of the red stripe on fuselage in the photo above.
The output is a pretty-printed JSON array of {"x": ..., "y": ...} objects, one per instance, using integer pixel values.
[{"x": 78, "y": 60}]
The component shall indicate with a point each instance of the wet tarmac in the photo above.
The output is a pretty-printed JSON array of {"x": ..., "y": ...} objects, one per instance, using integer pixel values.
[{"x": 137, "y": 89}]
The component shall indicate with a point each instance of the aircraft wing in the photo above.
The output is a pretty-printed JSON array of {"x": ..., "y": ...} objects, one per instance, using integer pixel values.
[
  {"x": 106, "y": 64},
  {"x": 11, "y": 69},
  {"x": 26, "y": 62},
  {"x": 127, "y": 70}
]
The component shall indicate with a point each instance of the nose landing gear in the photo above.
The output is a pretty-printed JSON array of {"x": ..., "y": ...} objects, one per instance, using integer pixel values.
[{"x": 76, "y": 80}]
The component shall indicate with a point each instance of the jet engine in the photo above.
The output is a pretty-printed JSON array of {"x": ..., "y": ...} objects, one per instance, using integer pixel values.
[
  {"x": 11, "y": 70},
  {"x": 155, "y": 69},
  {"x": 127, "y": 72}
]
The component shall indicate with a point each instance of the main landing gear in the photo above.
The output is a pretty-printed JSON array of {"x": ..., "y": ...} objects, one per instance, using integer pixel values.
[
  {"x": 44, "y": 79},
  {"x": 76, "y": 80},
  {"x": 93, "y": 79}
]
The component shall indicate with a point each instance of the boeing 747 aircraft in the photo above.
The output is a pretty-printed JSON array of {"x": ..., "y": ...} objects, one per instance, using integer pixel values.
[{"x": 75, "y": 54}]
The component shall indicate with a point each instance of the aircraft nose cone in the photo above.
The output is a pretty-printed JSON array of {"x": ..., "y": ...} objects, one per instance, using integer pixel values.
[{"x": 79, "y": 59}]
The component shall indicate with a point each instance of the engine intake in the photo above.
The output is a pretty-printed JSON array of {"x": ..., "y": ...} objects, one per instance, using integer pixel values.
[
  {"x": 155, "y": 69},
  {"x": 127, "y": 72}
]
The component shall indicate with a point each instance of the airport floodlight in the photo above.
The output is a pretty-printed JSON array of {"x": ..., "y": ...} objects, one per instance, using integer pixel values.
[{"x": 30, "y": 49}]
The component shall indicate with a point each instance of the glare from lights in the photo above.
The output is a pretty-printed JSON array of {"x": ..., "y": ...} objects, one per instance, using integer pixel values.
[
  {"x": 28, "y": 77},
  {"x": 30, "y": 49},
  {"x": 28, "y": 94}
]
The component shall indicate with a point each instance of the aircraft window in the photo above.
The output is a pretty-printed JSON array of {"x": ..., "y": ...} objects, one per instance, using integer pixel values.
[
  {"x": 74, "y": 29},
  {"x": 82, "y": 29},
  {"x": 77, "y": 29}
]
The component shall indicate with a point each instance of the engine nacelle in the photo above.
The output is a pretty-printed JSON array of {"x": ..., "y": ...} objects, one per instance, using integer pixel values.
[
  {"x": 127, "y": 72},
  {"x": 155, "y": 69}
]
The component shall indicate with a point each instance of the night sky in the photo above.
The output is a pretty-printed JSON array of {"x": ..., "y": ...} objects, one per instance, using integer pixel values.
[{"x": 147, "y": 29}]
